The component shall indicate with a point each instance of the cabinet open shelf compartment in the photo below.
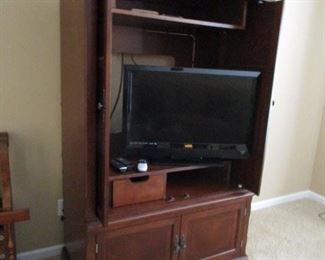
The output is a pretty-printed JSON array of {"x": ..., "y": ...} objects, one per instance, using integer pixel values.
[
  {"x": 198, "y": 183},
  {"x": 142, "y": 19},
  {"x": 155, "y": 169},
  {"x": 185, "y": 187},
  {"x": 121, "y": 215},
  {"x": 224, "y": 14}
]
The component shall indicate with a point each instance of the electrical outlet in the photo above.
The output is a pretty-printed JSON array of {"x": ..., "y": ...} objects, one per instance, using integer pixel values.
[{"x": 60, "y": 208}]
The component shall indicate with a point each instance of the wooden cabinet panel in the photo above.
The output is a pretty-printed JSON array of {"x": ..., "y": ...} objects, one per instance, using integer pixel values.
[
  {"x": 154, "y": 240},
  {"x": 213, "y": 234}
]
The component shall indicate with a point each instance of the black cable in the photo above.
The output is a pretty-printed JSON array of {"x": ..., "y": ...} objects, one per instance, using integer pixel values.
[
  {"x": 120, "y": 86},
  {"x": 133, "y": 60}
]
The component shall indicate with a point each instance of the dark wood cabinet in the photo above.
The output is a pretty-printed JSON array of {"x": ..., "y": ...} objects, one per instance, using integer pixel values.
[
  {"x": 152, "y": 240},
  {"x": 213, "y": 234},
  {"x": 201, "y": 211}
]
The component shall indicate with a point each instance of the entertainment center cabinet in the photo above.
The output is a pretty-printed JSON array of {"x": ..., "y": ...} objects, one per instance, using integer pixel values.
[{"x": 175, "y": 211}]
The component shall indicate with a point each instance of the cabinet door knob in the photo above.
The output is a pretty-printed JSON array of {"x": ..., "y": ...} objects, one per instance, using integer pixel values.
[
  {"x": 183, "y": 243},
  {"x": 177, "y": 247}
]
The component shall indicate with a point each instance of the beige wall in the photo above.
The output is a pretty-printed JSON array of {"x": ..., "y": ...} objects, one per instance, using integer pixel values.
[
  {"x": 298, "y": 91},
  {"x": 30, "y": 112},
  {"x": 318, "y": 179},
  {"x": 30, "y": 108}
]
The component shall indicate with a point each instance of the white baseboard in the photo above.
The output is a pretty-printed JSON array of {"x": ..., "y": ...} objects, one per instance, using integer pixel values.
[
  {"x": 41, "y": 253},
  {"x": 288, "y": 198},
  {"x": 51, "y": 251},
  {"x": 315, "y": 196}
]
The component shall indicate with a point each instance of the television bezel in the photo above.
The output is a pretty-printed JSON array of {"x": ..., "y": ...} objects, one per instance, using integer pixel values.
[{"x": 178, "y": 151}]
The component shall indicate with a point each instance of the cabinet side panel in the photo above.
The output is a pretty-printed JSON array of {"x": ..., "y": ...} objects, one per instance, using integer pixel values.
[
  {"x": 104, "y": 96},
  {"x": 78, "y": 140},
  {"x": 90, "y": 103},
  {"x": 258, "y": 47}
]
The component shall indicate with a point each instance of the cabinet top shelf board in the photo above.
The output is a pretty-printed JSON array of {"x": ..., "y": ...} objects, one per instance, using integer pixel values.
[{"x": 133, "y": 18}]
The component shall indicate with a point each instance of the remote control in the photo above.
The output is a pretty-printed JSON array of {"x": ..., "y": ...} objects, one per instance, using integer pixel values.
[
  {"x": 127, "y": 163},
  {"x": 122, "y": 168}
]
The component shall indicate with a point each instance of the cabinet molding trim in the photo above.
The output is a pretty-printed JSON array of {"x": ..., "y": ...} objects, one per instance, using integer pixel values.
[{"x": 41, "y": 253}]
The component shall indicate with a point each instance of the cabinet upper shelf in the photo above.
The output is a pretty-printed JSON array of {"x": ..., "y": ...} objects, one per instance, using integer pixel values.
[{"x": 149, "y": 20}]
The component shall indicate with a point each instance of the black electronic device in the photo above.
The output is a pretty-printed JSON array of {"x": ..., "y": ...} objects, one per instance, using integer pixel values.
[
  {"x": 122, "y": 165},
  {"x": 188, "y": 114},
  {"x": 127, "y": 163}
]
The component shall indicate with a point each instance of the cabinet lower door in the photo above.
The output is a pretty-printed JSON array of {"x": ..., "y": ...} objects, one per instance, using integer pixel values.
[
  {"x": 213, "y": 234},
  {"x": 150, "y": 241}
]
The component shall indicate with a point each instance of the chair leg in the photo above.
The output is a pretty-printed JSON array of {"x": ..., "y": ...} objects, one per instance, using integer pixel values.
[
  {"x": 11, "y": 249},
  {"x": 3, "y": 242}
]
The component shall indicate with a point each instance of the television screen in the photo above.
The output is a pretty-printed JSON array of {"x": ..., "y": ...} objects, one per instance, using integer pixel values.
[{"x": 196, "y": 112}]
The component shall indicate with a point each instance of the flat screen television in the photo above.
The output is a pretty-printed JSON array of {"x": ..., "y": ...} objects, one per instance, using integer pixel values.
[{"x": 188, "y": 114}]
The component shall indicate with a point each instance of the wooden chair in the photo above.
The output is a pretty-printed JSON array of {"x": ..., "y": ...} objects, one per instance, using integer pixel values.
[{"x": 8, "y": 216}]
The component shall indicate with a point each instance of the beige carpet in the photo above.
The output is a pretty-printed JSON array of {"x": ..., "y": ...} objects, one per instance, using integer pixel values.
[{"x": 291, "y": 231}]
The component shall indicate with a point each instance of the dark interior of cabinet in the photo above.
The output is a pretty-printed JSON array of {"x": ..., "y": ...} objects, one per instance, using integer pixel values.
[
  {"x": 197, "y": 183},
  {"x": 225, "y": 11},
  {"x": 251, "y": 49},
  {"x": 139, "y": 41}
]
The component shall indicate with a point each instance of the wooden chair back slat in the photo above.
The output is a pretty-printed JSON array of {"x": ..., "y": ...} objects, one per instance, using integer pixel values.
[
  {"x": 5, "y": 172},
  {"x": 7, "y": 215}
]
